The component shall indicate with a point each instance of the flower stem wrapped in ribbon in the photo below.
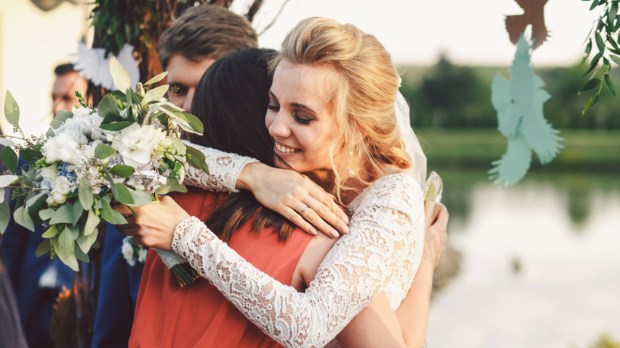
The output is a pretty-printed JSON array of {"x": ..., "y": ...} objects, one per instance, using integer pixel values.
[{"x": 127, "y": 150}]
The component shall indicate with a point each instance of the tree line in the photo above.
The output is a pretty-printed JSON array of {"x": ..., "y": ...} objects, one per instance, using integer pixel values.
[{"x": 452, "y": 96}]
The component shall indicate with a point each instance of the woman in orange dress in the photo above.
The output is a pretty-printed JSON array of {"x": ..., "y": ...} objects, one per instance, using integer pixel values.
[{"x": 198, "y": 315}]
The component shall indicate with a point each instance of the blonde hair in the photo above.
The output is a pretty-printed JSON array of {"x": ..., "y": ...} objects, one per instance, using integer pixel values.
[{"x": 363, "y": 100}]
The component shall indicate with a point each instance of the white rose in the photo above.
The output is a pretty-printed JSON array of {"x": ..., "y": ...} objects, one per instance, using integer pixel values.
[
  {"x": 62, "y": 186},
  {"x": 127, "y": 251},
  {"x": 136, "y": 142},
  {"x": 61, "y": 148}
]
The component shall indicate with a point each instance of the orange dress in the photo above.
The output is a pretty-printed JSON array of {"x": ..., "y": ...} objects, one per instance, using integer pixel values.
[{"x": 198, "y": 315}]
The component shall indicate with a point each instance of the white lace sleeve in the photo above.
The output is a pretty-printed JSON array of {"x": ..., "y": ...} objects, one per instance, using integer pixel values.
[
  {"x": 385, "y": 229},
  {"x": 224, "y": 169}
]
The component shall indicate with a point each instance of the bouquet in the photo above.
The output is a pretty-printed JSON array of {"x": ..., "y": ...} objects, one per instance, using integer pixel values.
[{"x": 127, "y": 150}]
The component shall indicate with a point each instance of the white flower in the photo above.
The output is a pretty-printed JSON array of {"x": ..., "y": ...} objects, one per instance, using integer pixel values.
[
  {"x": 135, "y": 143},
  {"x": 81, "y": 126},
  {"x": 61, "y": 148},
  {"x": 142, "y": 254},
  {"x": 127, "y": 251},
  {"x": 79, "y": 111},
  {"x": 62, "y": 186}
]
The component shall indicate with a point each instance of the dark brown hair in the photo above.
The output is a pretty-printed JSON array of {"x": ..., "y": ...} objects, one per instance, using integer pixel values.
[
  {"x": 231, "y": 100},
  {"x": 205, "y": 31}
]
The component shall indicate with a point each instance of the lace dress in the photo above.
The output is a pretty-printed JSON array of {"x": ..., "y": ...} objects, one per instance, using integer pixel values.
[{"x": 382, "y": 251}]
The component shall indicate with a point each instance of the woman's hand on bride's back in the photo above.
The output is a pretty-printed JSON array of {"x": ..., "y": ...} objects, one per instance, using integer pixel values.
[
  {"x": 295, "y": 197},
  {"x": 435, "y": 235},
  {"x": 156, "y": 222}
]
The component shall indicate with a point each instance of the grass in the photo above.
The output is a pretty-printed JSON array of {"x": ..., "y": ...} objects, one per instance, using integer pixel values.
[{"x": 583, "y": 149}]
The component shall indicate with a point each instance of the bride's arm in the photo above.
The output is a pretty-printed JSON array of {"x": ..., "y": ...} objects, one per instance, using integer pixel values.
[
  {"x": 378, "y": 325},
  {"x": 388, "y": 222},
  {"x": 283, "y": 191}
]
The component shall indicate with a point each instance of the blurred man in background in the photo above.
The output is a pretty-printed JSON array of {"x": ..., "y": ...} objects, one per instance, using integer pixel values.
[
  {"x": 186, "y": 49},
  {"x": 66, "y": 83}
]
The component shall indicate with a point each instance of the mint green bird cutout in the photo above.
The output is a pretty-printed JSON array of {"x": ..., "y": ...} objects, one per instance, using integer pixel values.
[{"x": 519, "y": 105}]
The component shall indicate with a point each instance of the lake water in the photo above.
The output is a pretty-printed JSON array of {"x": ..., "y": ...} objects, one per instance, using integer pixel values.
[{"x": 540, "y": 266}]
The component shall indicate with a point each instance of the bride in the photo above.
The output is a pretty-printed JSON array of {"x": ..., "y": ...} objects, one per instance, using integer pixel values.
[{"x": 331, "y": 107}]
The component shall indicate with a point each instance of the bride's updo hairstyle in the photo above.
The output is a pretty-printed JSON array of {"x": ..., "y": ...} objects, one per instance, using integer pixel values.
[{"x": 362, "y": 99}]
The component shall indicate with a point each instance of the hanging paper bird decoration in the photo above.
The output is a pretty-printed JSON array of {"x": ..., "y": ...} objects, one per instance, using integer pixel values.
[
  {"x": 534, "y": 14},
  {"x": 519, "y": 105}
]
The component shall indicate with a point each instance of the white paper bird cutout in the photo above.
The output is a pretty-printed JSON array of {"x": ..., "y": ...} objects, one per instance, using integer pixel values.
[
  {"x": 92, "y": 64},
  {"x": 519, "y": 105}
]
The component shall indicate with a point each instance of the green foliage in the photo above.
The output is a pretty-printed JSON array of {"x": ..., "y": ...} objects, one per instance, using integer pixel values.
[
  {"x": 470, "y": 106},
  {"x": 11, "y": 109},
  {"x": 604, "y": 35},
  {"x": 449, "y": 96}
]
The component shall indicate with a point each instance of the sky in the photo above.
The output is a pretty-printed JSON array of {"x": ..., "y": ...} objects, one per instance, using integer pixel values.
[
  {"x": 415, "y": 32},
  {"x": 470, "y": 32}
]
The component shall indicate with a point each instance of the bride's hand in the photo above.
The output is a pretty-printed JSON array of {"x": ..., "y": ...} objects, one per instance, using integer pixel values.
[
  {"x": 435, "y": 237},
  {"x": 295, "y": 197},
  {"x": 156, "y": 222}
]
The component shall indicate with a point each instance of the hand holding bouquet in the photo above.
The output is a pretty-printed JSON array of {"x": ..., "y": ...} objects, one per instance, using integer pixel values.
[{"x": 126, "y": 150}]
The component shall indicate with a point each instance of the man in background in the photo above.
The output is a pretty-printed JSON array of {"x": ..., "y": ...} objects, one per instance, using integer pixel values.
[
  {"x": 67, "y": 81},
  {"x": 37, "y": 281},
  {"x": 193, "y": 42}
]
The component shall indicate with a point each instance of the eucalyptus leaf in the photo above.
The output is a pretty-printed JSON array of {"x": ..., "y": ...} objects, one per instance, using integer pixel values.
[
  {"x": 11, "y": 109},
  {"x": 92, "y": 221},
  {"x": 51, "y": 232},
  {"x": 64, "y": 248},
  {"x": 36, "y": 203},
  {"x": 74, "y": 230},
  {"x": 62, "y": 216},
  {"x": 80, "y": 255},
  {"x": 44, "y": 247},
  {"x": 21, "y": 217},
  {"x": 5, "y": 216},
  {"x": 121, "y": 79},
  {"x": 122, "y": 194},
  {"x": 46, "y": 214},
  {"x": 108, "y": 108},
  {"x": 76, "y": 212},
  {"x": 85, "y": 194},
  {"x": 140, "y": 198},
  {"x": 186, "y": 121},
  {"x": 31, "y": 155},
  {"x": 196, "y": 159},
  {"x": 103, "y": 151},
  {"x": 615, "y": 58},
  {"x": 110, "y": 215},
  {"x": 9, "y": 158},
  {"x": 85, "y": 242},
  {"x": 122, "y": 171},
  {"x": 7, "y": 180},
  {"x": 172, "y": 185},
  {"x": 156, "y": 78},
  {"x": 116, "y": 126},
  {"x": 154, "y": 94}
]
